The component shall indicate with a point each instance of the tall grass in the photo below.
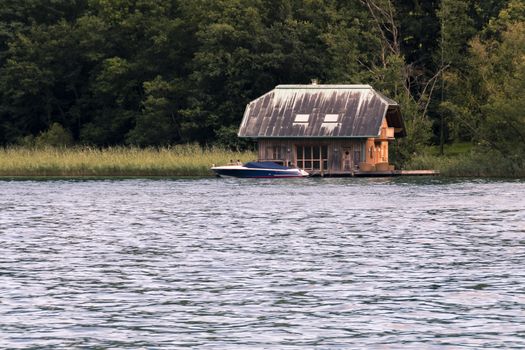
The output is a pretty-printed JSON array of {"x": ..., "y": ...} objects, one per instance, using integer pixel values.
[
  {"x": 473, "y": 163},
  {"x": 180, "y": 160}
]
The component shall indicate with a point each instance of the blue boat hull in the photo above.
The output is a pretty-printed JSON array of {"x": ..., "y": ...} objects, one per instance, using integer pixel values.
[
  {"x": 258, "y": 170},
  {"x": 256, "y": 173}
]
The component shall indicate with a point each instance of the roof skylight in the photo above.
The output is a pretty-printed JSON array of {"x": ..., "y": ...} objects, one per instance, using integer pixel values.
[
  {"x": 301, "y": 118},
  {"x": 331, "y": 118}
]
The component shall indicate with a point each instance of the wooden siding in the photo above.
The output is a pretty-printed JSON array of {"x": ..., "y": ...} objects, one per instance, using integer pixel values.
[
  {"x": 287, "y": 148},
  {"x": 365, "y": 154}
]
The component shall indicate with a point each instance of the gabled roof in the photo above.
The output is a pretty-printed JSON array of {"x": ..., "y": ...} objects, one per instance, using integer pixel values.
[{"x": 355, "y": 111}]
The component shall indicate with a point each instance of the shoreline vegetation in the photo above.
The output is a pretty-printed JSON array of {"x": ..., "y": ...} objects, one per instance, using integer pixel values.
[
  {"x": 192, "y": 160},
  {"x": 180, "y": 160},
  {"x": 467, "y": 165},
  {"x": 148, "y": 74},
  {"x": 467, "y": 160}
]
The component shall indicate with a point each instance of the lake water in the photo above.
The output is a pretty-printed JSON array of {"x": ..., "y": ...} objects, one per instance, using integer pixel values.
[{"x": 406, "y": 263}]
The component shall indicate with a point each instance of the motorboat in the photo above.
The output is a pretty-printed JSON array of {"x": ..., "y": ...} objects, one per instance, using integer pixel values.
[{"x": 258, "y": 170}]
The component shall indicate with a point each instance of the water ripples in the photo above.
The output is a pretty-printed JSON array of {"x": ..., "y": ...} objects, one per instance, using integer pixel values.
[{"x": 215, "y": 264}]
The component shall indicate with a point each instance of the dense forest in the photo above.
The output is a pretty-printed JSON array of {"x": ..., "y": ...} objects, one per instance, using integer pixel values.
[{"x": 164, "y": 72}]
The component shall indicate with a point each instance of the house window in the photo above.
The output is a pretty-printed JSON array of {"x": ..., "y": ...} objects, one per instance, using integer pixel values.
[
  {"x": 312, "y": 157},
  {"x": 301, "y": 118},
  {"x": 274, "y": 153},
  {"x": 331, "y": 118}
]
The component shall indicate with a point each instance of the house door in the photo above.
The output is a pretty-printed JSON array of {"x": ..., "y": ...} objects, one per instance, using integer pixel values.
[
  {"x": 347, "y": 159},
  {"x": 357, "y": 154}
]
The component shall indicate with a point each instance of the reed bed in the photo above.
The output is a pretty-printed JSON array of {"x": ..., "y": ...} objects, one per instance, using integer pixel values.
[
  {"x": 180, "y": 160},
  {"x": 471, "y": 164}
]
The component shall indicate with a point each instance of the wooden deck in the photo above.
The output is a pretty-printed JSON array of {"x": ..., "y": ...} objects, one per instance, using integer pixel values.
[{"x": 375, "y": 173}]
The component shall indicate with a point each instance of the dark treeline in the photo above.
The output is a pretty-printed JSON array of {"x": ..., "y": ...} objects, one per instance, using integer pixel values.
[{"x": 161, "y": 72}]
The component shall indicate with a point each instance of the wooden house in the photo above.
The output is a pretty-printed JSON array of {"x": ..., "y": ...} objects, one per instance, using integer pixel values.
[{"x": 324, "y": 128}]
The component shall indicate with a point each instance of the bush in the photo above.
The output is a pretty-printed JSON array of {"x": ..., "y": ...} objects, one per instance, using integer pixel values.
[
  {"x": 55, "y": 136},
  {"x": 227, "y": 138}
]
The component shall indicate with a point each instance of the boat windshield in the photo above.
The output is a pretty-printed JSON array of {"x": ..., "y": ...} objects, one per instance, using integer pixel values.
[{"x": 264, "y": 165}]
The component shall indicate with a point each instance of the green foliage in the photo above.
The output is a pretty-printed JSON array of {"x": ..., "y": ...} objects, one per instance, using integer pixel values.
[
  {"x": 56, "y": 136},
  {"x": 503, "y": 68},
  {"x": 227, "y": 137},
  {"x": 457, "y": 28},
  {"x": 478, "y": 162},
  {"x": 488, "y": 101},
  {"x": 164, "y": 72},
  {"x": 158, "y": 123}
]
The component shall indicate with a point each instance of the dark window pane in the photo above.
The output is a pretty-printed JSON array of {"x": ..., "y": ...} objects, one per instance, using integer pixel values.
[
  {"x": 324, "y": 150},
  {"x": 357, "y": 157},
  {"x": 325, "y": 165},
  {"x": 300, "y": 152},
  {"x": 316, "y": 152},
  {"x": 308, "y": 152},
  {"x": 308, "y": 165},
  {"x": 317, "y": 164}
]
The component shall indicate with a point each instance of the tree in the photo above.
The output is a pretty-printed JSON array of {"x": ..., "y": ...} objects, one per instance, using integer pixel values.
[
  {"x": 159, "y": 122},
  {"x": 168, "y": 71},
  {"x": 498, "y": 61},
  {"x": 391, "y": 74}
]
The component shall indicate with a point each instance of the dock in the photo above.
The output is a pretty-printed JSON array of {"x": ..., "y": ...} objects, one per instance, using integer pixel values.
[{"x": 389, "y": 173}]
